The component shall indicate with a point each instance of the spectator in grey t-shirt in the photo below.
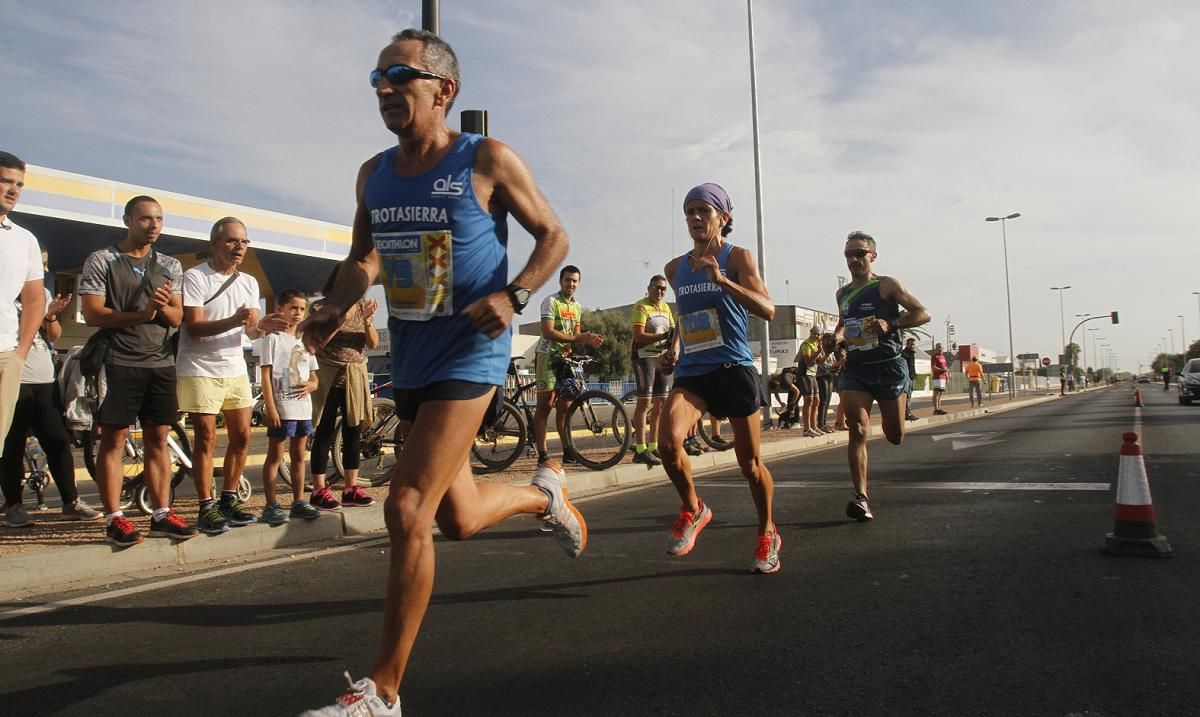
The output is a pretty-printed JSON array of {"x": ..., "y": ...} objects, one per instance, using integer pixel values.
[{"x": 133, "y": 291}]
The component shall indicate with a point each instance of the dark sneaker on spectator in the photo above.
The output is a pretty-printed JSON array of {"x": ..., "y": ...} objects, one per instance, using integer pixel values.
[
  {"x": 692, "y": 447},
  {"x": 647, "y": 458},
  {"x": 273, "y": 515},
  {"x": 211, "y": 521},
  {"x": 80, "y": 511},
  {"x": 231, "y": 510},
  {"x": 121, "y": 533},
  {"x": 910, "y": 417},
  {"x": 323, "y": 499},
  {"x": 171, "y": 526},
  {"x": 17, "y": 517},
  {"x": 356, "y": 498},
  {"x": 302, "y": 509}
]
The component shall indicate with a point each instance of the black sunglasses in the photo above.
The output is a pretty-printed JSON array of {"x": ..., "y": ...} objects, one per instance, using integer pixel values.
[
  {"x": 399, "y": 74},
  {"x": 657, "y": 287},
  {"x": 857, "y": 254}
]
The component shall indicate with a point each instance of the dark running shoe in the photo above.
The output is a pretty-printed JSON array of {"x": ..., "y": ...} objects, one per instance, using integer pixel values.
[
  {"x": 211, "y": 521},
  {"x": 859, "y": 509},
  {"x": 356, "y": 498},
  {"x": 231, "y": 510},
  {"x": 323, "y": 499},
  {"x": 121, "y": 533},
  {"x": 646, "y": 458},
  {"x": 171, "y": 526}
]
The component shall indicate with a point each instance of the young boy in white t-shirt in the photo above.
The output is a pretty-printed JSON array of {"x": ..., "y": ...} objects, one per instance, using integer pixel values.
[{"x": 289, "y": 376}]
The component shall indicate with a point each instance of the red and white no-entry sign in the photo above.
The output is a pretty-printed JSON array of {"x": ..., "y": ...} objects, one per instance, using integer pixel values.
[{"x": 1045, "y": 360}]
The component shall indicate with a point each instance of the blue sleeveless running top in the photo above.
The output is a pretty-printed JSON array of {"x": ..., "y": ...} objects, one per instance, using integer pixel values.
[
  {"x": 711, "y": 324},
  {"x": 856, "y": 304},
  {"x": 439, "y": 250}
]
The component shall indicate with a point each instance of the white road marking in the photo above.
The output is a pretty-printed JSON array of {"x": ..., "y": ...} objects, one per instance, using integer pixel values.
[
  {"x": 933, "y": 485},
  {"x": 959, "y": 441}
]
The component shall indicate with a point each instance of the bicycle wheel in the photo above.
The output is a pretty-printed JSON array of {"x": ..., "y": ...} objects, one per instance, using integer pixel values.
[
  {"x": 377, "y": 446},
  {"x": 499, "y": 445},
  {"x": 598, "y": 430},
  {"x": 132, "y": 464},
  {"x": 721, "y": 442}
]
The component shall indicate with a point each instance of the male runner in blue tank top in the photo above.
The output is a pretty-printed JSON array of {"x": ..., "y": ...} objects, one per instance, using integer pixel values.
[
  {"x": 431, "y": 224},
  {"x": 875, "y": 370},
  {"x": 715, "y": 285}
]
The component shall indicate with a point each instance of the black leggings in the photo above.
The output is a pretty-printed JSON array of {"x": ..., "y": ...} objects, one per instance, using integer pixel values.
[
  {"x": 825, "y": 390},
  {"x": 335, "y": 402},
  {"x": 38, "y": 408}
]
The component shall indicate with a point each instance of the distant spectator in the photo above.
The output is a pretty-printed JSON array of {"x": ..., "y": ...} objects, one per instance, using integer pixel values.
[
  {"x": 909, "y": 352},
  {"x": 941, "y": 376},
  {"x": 974, "y": 373}
]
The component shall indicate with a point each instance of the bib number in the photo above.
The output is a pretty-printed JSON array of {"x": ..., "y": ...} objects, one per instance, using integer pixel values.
[
  {"x": 856, "y": 338},
  {"x": 700, "y": 331},
  {"x": 418, "y": 274}
]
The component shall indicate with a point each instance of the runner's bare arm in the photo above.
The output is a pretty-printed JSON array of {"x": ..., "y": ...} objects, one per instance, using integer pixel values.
[
  {"x": 748, "y": 290},
  {"x": 503, "y": 183},
  {"x": 356, "y": 274},
  {"x": 914, "y": 314}
]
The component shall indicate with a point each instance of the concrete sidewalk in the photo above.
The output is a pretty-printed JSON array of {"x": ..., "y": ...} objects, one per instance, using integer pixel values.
[{"x": 61, "y": 568}]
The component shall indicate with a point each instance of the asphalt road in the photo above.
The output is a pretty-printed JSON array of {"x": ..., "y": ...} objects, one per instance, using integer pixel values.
[{"x": 957, "y": 600}]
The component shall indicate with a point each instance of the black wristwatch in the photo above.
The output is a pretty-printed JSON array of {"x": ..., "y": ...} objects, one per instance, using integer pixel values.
[{"x": 519, "y": 296}]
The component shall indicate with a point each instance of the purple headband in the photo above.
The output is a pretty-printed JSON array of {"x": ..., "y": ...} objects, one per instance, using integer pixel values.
[{"x": 714, "y": 194}]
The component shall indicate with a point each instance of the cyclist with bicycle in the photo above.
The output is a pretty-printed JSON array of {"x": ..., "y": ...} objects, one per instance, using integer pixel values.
[
  {"x": 431, "y": 223},
  {"x": 220, "y": 305},
  {"x": 561, "y": 332},
  {"x": 652, "y": 322},
  {"x": 132, "y": 293},
  {"x": 716, "y": 286}
]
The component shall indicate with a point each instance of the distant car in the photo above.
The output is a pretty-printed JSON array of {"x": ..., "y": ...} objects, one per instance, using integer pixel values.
[
  {"x": 1187, "y": 383},
  {"x": 1143, "y": 379}
]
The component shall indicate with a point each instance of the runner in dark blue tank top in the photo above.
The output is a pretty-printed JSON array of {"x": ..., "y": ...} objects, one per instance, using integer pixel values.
[
  {"x": 431, "y": 224},
  {"x": 871, "y": 320},
  {"x": 716, "y": 285}
]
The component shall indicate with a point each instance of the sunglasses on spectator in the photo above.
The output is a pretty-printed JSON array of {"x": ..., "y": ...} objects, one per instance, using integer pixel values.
[
  {"x": 658, "y": 287},
  {"x": 400, "y": 74},
  {"x": 856, "y": 253}
]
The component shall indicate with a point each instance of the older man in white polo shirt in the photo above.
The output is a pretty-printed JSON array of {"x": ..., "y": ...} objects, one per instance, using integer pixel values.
[{"x": 20, "y": 278}]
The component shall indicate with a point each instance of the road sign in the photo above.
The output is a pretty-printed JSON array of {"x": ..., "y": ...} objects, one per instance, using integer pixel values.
[
  {"x": 1046, "y": 361},
  {"x": 990, "y": 368},
  {"x": 1030, "y": 357}
]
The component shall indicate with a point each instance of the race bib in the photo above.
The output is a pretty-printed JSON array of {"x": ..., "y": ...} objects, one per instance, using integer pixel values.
[
  {"x": 856, "y": 338},
  {"x": 417, "y": 274},
  {"x": 700, "y": 330}
]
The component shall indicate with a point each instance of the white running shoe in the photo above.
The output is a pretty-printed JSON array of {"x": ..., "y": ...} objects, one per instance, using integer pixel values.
[
  {"x": 685, "y": 529},
  {"x": 359, "y": 700},
  {"x": 564, "y": 519}
]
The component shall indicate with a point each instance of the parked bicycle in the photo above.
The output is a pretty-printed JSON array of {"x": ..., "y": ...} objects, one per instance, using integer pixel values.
[
  {"x": 719, "y": 440},
  {"x": 133, "y": 457},
  {"x": 598, "y": 431}
]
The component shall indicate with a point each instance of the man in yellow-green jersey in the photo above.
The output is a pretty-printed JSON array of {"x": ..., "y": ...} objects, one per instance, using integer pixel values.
[{"x": 652, "y": 321}]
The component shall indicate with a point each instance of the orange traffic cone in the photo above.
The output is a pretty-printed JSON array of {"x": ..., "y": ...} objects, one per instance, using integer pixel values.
[
  {"x": 1137, "y": 398},
  {"x": 1135, "y": 531}
]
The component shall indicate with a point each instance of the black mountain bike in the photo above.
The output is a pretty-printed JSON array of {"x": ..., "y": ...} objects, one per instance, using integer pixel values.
[{"x": 598, "y": 429}]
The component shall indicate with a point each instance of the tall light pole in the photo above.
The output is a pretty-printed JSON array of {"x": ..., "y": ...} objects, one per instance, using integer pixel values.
[
  {"x": 1183, "y": 347},
  {"x": 1012, "y": 356},
  {"x": 1062, "y": 328},
  {"x": 1171, "y": 332},
  {"x": 758, "y": 199},
  {"x": 1197, "y": 293},
  {"x": 1083, "y": 343}
]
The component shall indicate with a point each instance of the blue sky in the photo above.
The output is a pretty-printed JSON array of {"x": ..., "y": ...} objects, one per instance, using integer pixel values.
[{"x": 910, "y": 121}]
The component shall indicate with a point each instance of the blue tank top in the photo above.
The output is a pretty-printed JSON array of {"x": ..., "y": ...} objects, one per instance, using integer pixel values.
[
  {"x": 439, "y": 250},
  {"x": 711, "y": 325},
  {"x": 856, "y": 304}
]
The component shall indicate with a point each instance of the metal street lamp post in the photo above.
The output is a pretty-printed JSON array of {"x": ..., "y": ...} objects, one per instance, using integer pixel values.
[
  {"x": 1012, "y": 357},
  {"x": 1062, "y": 328},
  {"x": 1183, "y": 347},
  {"x": 1083, "y": 343},
  {"x": 1171, "y": 332}
]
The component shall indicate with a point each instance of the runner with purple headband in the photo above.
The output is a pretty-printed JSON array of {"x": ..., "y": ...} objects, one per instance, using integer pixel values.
[{"x": 716, "y": 285}]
